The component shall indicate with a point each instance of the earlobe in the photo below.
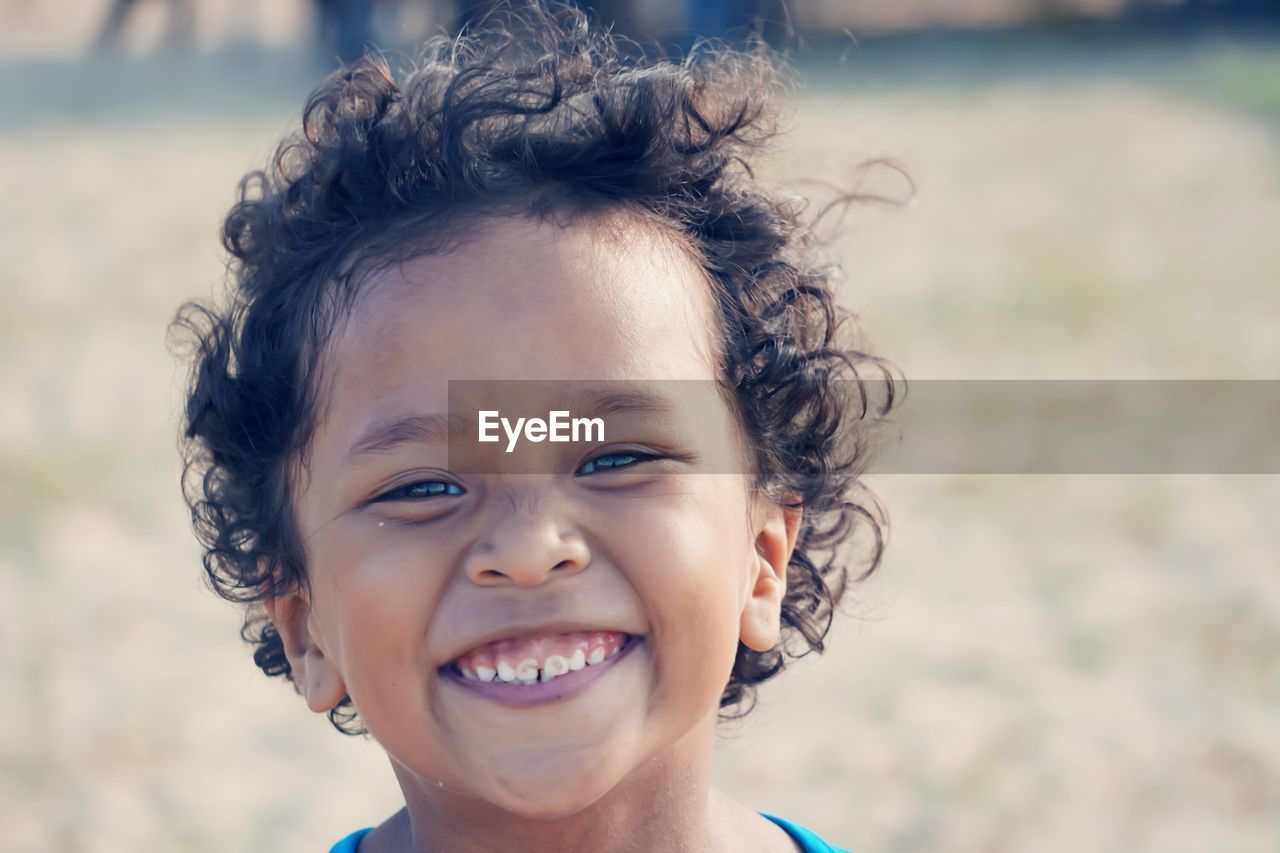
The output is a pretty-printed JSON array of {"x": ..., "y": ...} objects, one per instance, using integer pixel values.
[
  {"x": 761, "y": 623},
  {"x": 314, "y": 674}
]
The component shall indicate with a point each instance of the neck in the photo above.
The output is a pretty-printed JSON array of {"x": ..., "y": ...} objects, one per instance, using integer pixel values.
[{"x": 664, "y": 804}]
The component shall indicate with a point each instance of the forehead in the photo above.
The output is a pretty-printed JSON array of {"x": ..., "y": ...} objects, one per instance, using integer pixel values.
[{"x": 523, "y": 299}]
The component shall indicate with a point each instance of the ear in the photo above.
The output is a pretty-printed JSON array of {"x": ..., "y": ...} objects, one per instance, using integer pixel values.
[
  {"x": 314, "y": 674},
  {"x": 761, "y": 622}
]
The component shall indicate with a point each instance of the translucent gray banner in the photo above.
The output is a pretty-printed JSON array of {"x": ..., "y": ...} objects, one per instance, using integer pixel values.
[
  {"x": 1084, "y": 427},
  {"x": 931, "y": 427}
]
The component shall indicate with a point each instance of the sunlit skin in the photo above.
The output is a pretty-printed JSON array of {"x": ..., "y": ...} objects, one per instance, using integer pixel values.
[{"x": 404, "y": 580}]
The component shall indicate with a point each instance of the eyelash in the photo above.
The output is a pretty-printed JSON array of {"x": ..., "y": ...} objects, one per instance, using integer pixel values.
[
  {"x": 635, "y": 456},
  {"x": 444, "y": 488},
  {"x": 403, "y": 492}
]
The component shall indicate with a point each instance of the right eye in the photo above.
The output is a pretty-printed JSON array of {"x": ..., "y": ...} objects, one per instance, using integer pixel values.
[{"x": 421, "y": 490}]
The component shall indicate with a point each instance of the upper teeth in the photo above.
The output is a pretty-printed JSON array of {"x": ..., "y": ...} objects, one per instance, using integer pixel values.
[
  {"x": 527, "y": 670},
  {"x": 554, "y": 666}
]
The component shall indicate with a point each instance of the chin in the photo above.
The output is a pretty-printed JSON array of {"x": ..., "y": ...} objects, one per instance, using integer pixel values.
[{"x": 548, "y": 796}]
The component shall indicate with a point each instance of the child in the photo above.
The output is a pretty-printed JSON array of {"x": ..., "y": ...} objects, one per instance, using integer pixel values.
[{"x": 544, "y": 656}]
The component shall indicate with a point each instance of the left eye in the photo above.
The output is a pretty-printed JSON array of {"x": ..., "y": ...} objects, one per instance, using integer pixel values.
[
  {"x": 422, "y": 489},
  {"x": 613, "y": 462}
]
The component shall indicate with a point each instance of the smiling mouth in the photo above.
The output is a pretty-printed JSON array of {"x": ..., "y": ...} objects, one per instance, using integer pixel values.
[
  {"x": 551, "y": 669},
  {"x": 530, "y": 660}
]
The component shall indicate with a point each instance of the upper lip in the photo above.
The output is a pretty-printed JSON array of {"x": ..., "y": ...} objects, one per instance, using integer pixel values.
[{"x": 544, "y": 629}]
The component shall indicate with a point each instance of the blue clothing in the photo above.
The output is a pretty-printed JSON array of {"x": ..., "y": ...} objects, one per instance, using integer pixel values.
[
  {"x": 351, "y": 842},
  {"x": 809, "y": 843}
]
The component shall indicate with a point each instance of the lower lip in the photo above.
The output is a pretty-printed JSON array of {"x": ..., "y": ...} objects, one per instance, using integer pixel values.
[{"x": 541, "y": 692}]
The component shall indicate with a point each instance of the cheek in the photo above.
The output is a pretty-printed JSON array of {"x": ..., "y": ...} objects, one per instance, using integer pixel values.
[
  {"x": 382, "y": 592},
  {"x": 690, "y": 558}
]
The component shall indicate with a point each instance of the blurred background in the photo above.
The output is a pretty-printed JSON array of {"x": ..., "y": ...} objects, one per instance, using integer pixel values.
[{"x": 1057, "y": 664}]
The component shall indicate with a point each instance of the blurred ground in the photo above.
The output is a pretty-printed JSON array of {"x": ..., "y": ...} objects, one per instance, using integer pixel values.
[{"x": 1042, "y": 663}]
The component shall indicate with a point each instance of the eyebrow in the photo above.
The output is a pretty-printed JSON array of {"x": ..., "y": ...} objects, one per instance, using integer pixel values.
[
  {"x": 392, "y": 433},
  {"x": 627, "y": 401}
]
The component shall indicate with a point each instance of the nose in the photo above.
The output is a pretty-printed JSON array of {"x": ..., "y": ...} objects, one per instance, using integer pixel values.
[{"x": 524, "y": 547}]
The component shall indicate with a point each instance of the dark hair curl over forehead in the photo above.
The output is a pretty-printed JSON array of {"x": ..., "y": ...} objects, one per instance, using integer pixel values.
[{"x": 540, "y": 114}]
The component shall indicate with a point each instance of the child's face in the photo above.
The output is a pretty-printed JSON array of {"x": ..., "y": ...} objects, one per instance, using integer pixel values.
[{"x": 686, "y": 563}]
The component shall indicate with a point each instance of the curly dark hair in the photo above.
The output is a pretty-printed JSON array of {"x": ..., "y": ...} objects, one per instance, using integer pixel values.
[{"x": 539, "y": 114}]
